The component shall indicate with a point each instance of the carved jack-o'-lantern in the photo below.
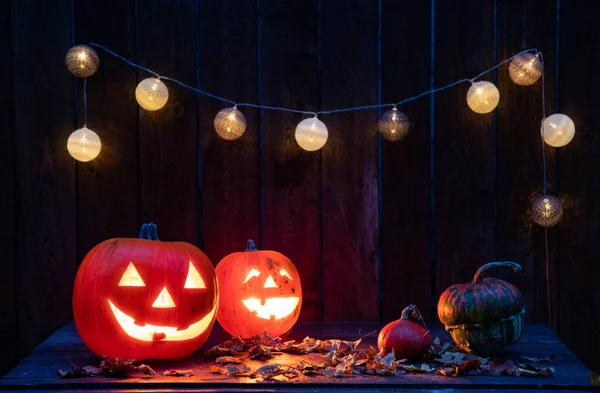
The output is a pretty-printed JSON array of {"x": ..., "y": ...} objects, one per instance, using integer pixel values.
[
  {"x": 259, "y": 290},
  {"x": 143, "y": 298}
]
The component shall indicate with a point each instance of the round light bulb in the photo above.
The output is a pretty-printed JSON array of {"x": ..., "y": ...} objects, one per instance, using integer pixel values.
[
  {"x": 230, "y": 123},
  {"x": 525, "y": 69},
  {"x": 84, "y": 144},
  {"x": 151, "y": 94},
  {"x": 546, "y": 210},
  {"x": 311, "y": 134},
  {"x": 558, "y": 130},
  {"x": 82, "y": 61},
  {"x": 483, "y": 97},
  {"x": 393, "y": 125}
]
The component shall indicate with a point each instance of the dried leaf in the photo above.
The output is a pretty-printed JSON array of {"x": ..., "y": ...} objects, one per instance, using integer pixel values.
[
  {"x": 272, "y": 371},
  {"x": 311, "y": 344},
  {"x": 75, "y": 372},
  {"x": 529, "y": 370},
  {"x": 218, "y": 351},
  {"x": 230, "y": 370},
  {"x": 117, "y": 367},
  {"x": 92, "y": 371},
  {"x": 411, "y": 369},
  {"x": 548, "y": 359},
  {"x": 229, "y": 359},
  {"x": 260, "y": 352},
  {"x": 108, "y": 367},
  {"x": 178, "y": 373},
  {"x": 146, "y": 370},
  {"x": 267, "y": 340},
  {"x": 428, "y": 369}
]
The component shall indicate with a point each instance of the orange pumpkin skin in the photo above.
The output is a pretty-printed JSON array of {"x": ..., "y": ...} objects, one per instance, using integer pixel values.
[
  {"x": 251, "y": 284},
  {"x": 144, "y": 326}
]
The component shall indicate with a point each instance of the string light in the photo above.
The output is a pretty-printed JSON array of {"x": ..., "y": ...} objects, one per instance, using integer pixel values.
[
  {"x": 230, "y": 123},
  {"x": 151, "y": 94},
  {"x": 558, "y": 130},
  {"x": 82, "y": 61},
  {"x": 546, "y": 210},
  {"x": 525, "y": 69},
  {"x": 84, "y": 144},
  {"x": 393, "y": 125},
  {"x": 483, "y": 97},
  {"x": 311, "y": 134}
]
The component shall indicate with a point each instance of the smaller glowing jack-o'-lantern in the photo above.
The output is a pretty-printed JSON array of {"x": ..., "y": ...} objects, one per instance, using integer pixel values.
[
  {"x": 259, "y": 290},
  {"x": 143, "y": 298}
]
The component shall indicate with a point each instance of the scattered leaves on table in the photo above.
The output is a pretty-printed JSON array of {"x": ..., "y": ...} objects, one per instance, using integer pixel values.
[
  {"x": 340, "y": 358},
  {"x": 108, "y": 367}
]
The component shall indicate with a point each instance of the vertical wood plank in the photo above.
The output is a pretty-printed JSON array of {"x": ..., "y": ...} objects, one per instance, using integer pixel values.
[
  {"x": 464, "y": 143},
  {"x": 289, "y": 60},
  {"x": 349, "y": 163},
  {"x": 579, "y": 292},
  {"x": 108, "y": 185},
  {"x": 168, "y": 138},
  {"x": 405, "y": 186},
  {"x": 230, "y": 169},
  {"x": 8, "y": 289},
  {"x": 520, "y": 174},
  {"x": 45, "y": 189}
]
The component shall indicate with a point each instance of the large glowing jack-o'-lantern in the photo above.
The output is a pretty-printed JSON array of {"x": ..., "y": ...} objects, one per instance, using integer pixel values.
[
  {"x": 259, "y": 290},
  {"x": 143, "y": 298}
]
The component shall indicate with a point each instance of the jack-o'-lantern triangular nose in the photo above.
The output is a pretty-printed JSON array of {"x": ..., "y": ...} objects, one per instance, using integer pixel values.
[
  {"x": 270, "y": 283},
  {"x": 164, "y": 300}
]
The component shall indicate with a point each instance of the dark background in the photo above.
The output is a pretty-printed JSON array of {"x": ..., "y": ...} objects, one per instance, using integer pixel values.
[{"x": 371, "y": 227}]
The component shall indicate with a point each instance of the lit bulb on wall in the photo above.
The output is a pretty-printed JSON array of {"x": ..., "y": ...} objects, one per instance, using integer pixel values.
[
  {"x": 546, "y": 210},
  {"x": 82, "y": 61},
  {"x": 525, "y": 69},
  {"x": 483, "y": 97},
  {"x": 151, "y": 94},
  {"x": 230, "y": 123},
  {"x": 84, "y": 144},
  {"x": 311, "y": 134},
  {"x": 558, "y": 130},
  {"x": 393, "y": 125}
]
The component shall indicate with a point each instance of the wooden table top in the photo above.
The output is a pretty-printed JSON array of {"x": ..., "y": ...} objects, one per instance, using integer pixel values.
[{"x": 64, "y": 348}]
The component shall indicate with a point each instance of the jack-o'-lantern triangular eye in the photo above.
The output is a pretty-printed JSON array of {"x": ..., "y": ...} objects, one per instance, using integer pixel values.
[
  {"x": 194, "y": 280},
  {"x": 131, "y": 277}
]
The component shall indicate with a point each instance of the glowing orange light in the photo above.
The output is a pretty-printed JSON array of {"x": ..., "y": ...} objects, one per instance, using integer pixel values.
[
  {"x": 194, "y": 280},
  {"x": 276, "y": 307},
  {"x": 164, "y": 300},
  {"x": 160, "y": 333},
  {"x": 131, "y": 277}
]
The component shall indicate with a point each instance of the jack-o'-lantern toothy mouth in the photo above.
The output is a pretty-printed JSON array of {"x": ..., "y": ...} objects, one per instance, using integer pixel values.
[
  {"x": 160, "y": 333},
  {"x": 276, "y": 307}
]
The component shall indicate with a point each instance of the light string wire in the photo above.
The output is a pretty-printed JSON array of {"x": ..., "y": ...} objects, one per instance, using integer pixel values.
[
  {"x": 544, "y": 169},
  {"x": 535, "y": 51},
  {"x": 85, "y": 102},
  {"x": 313, "y": 113}
]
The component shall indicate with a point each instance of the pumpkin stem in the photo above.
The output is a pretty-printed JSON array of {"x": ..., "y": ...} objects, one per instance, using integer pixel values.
[
  {"x": 412, "y": 313},
  {"x": 478, "y": 275},
  {"x": 251, "y": 246},
  {"x": 148, "y": 232}
]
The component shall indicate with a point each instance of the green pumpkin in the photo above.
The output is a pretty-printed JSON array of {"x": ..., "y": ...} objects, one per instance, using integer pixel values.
[{"x": 485, "y": 315}]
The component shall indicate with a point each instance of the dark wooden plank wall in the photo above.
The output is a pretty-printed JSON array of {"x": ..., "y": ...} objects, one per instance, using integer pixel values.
[
  {"x": 8, "y": 291},
  {"x": 371, "y": 225}
]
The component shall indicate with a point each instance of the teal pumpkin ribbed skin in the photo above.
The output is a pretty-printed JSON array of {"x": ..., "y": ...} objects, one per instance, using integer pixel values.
[{"x": 486, "y": 302}]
